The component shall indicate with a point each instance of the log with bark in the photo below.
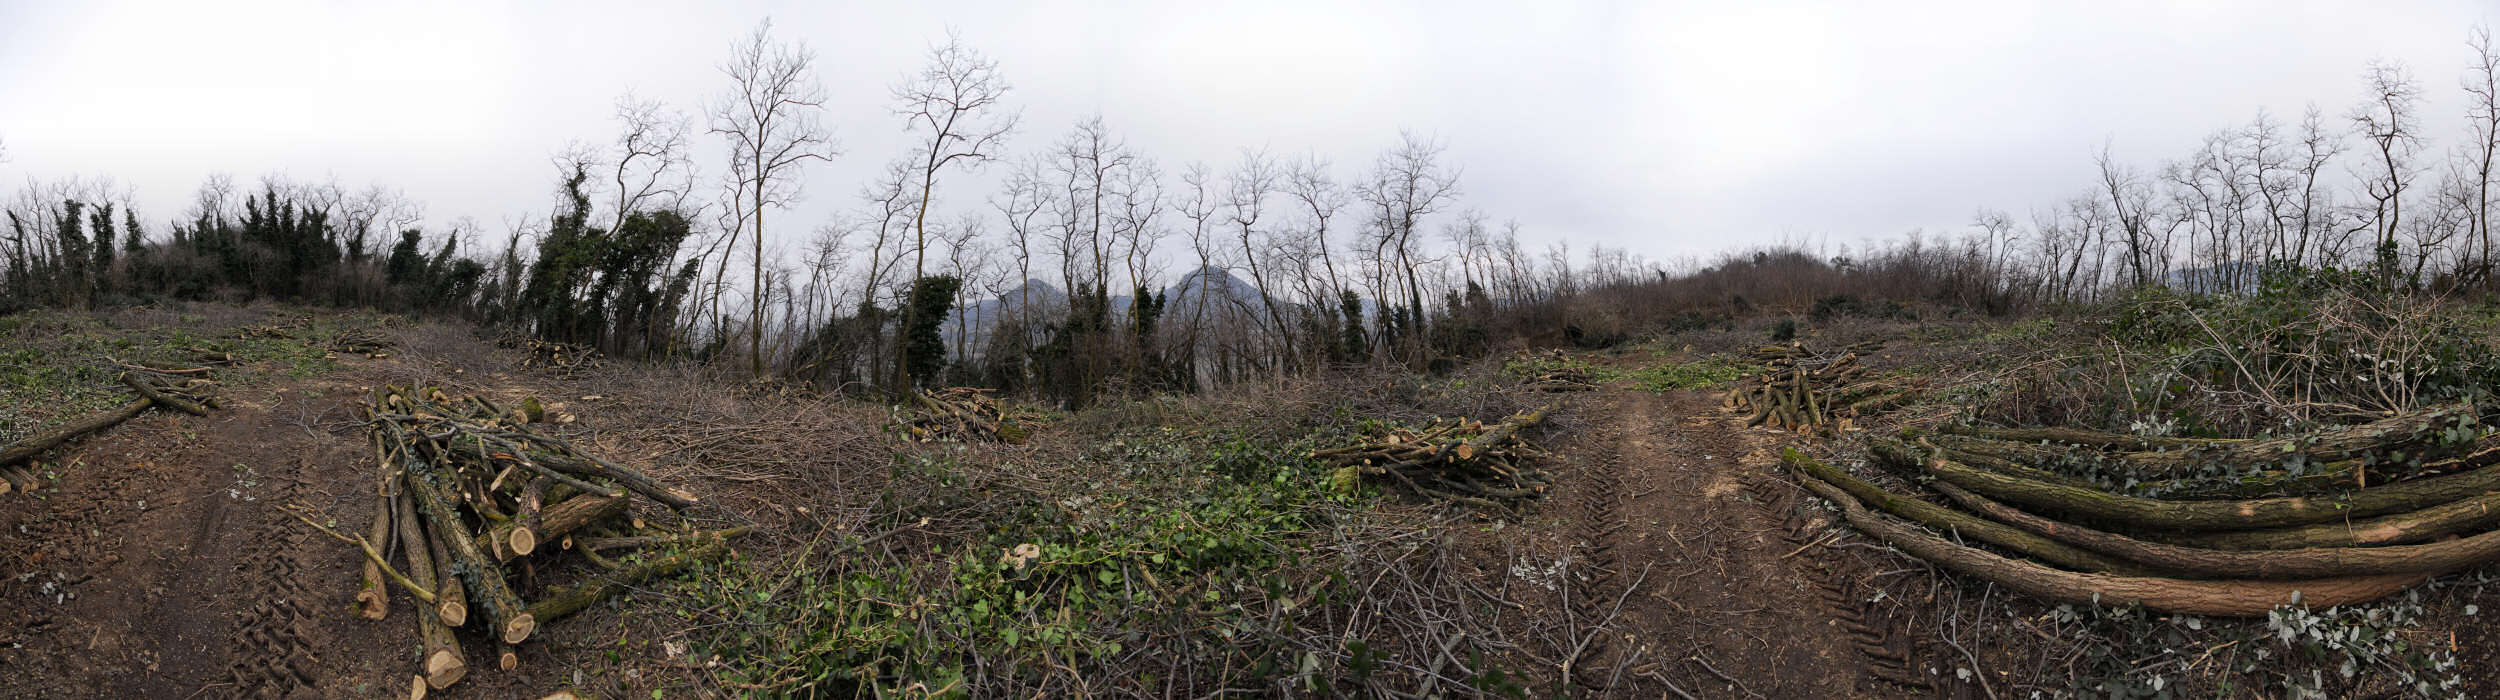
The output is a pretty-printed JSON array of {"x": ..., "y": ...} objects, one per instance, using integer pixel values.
[
  {"x": 564, "y": 359},
  {"x": 1803, "y": 390},
  {"x": 191, "y": 395},
  {"x": 2335, "y": 537},
  {"x": 362, "y": 342},
  {"x": 470, "y": 496},
  {"x": 2396, "y": 447},
  {"x": 959, "y": 414},
  {"x": 1461, "y": 460},
  {"x": 2228, "y": 598},
  {"x": 1552, "y": 371}
]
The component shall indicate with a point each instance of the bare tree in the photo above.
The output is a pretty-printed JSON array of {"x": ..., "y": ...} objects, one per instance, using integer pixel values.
[
  {"x": 2482, "y": 82},
  {"x": 954, "y": 103},
  {"x": 1321, "y": 198},
  {"x": 2128, "y": 201},
  {"x": 1406, "y": 185},
  {"x": 771, "y": 117},
  {"x": 1026, "y": 194},
  {"x": 2319, "y": 146},
  {"x": 2388, "y": 122},
  {"x": 652, "y": 167},
  {"x": 1245, "y": 197}
]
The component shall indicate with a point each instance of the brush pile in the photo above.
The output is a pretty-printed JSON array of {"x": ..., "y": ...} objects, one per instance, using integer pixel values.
[
  {"x": 566, "y": 359},
  {"x": 959, "y": 414},
  {"x": 2222, "y": 527},
  {"x": 1802, "y": 390},
  {"x": 362, "y": 342},
  {"x": 1553, "y": 371},
  {"x": 468, "y": 491},
  {"x": 1460, "y": 460},
  {"x": 183, "y": 389}
]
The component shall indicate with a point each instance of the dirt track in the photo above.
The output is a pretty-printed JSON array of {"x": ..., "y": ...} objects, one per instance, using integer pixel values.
[{"x": 1721, "y": 592}]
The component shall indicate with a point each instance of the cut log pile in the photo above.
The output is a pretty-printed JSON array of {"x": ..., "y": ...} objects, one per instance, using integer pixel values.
[
  {"x": 1801, "y": 390},
  {"x": 566, "y": 359},
  {"x": 1553, "y": 371},
  {"x": 181, "y": 389},
  {"x": 469, "y": 492},
  {"x": 2368, "y": 510},
  {"x": 1462, "y": 460},
  {"x": 959, "y": 414},
  {"x": 362, "y": 342}
]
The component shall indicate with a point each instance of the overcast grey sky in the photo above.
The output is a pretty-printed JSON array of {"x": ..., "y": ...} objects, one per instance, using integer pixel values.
[{"x": 1672, "y": 128}]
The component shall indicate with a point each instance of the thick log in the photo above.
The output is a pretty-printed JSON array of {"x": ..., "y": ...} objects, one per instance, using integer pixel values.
[
  {"x": 2409, "y": 432},
  {"x": 2215, "y": 515},
  {"x": 444, "y": 664},
  {"x": 16, "y": 478},
  {"x": 591, "y": 465},
  {"x": 2477, "y": 513},
  {"x": 566, "y": 600},
  {"x": 452, "y": 597},
  {"x": 375, "y": 595},
  {"x": 1973, "y": 527},
  {"x": 23, "y": 450},
  {"x": 486, "y": 586},
  {"x": 522, "y": 535},
  {"x": 2313, "y": 562},
  {"x": 159, "y": 397},
  {"x": 2210, "y": 598},
  {"x": 1900, "y": 452},
  {"x": 2088, "y": 438}
]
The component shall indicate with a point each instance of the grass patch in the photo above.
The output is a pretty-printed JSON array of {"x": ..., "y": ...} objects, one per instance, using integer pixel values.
[{"x": 1214, "y": 551}]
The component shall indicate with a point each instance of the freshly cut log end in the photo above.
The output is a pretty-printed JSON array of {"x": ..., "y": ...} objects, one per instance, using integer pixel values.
[
  {"x": 509, "y": 659},
  {"x": 453, "y": 612},
  {"x": 521, "y": 542},
  {"x": 443, "y": 668},
  {"x": 372, "y": 603},
  {"x": 519, "y": 628},
  {"x": 416, "y": 687}
]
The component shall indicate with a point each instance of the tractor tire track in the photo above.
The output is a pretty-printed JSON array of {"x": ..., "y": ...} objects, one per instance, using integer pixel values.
[{"x": 273, "y": 660}]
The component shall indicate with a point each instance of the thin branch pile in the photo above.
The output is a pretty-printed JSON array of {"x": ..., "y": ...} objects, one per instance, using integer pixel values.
[
  {"x": 181, "y": 389},
  {"x": 1461, "y": 460},
  {"x": 1553, "y": 371},
  {"x": 961, "y": 414},
  {"x": 362, "y": 342},
  {"x": 1802, "y": 390},
  {"x": 468, "y": 492},
  {"x": 566, "y": 359},
  {"x": 2336, "y": 517}
]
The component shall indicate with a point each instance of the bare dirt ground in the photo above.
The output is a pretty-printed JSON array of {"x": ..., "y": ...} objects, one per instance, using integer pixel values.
[
  {"x": 158, "y": 564},
  {"x": 1694, "y": 552}
]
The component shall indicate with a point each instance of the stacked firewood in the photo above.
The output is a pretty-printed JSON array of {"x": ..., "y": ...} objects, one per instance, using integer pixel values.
[
  {"x": 1553, "y": 371},
  {"x": 2225, "y": 527},
  {"x": 959, "y": 414},
  {"x": 566, "y": 359},
  {"x": 1800, "y": 389},
  {"x": 362, "y": 342},
  {"x": 468, "y": 491},
  {"x": 1461, "y": 460},
  {"x": 180, "y": 389}
]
